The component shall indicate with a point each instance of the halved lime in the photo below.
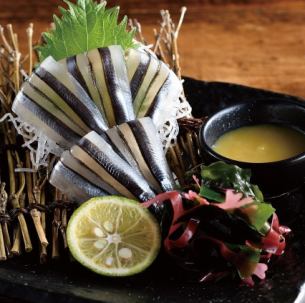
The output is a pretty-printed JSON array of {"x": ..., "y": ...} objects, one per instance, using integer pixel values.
[{"x": 113, "y": 236}]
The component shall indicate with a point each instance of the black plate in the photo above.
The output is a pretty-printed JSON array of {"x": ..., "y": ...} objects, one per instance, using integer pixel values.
[{"x": 66, "y": 281}]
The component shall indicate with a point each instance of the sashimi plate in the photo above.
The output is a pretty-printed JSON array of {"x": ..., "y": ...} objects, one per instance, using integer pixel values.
[{"x": 66, "y": 281}]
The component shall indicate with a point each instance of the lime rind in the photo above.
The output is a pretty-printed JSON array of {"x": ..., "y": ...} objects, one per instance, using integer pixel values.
[{"x": 153, "y": 237}]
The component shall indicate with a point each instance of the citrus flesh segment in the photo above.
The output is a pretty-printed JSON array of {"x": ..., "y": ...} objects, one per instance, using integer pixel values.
[{"x": 113, "y": 236}]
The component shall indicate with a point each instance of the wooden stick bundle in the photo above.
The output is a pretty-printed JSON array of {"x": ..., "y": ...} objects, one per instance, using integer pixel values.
[{"x": 26, "y": 187}]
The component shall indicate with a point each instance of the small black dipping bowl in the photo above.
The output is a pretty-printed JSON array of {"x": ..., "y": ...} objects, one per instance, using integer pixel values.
[{"x": 274, "y": 178}]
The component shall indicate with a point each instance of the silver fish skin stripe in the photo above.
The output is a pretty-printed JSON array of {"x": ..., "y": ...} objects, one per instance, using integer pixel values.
[
  {"x": 117, "y": 82},
  {"x": 150, "y": 145},
  {"x": 158, "y": 88},
  {"x": 81, "y": 69},
  {"x": 117, "y": 55},
  {"x": 73, "y": 69},
  {"x": 140, "y": 72},
  {"x": 153, "y": 88},
  {"x": 151, "y": 75},
  {"x": 166, "y": 102},
  {"x": 130, "y": 140},
  {"x": 56, "y": 76},
  {"x": 103, "y": 153},
  {"x": 116, "y": 138},
  {"x": 72, "y": 184},
  {"x": 32, "y": 113},
  {"x": 42, "y": 100},
  {"x": 69, "y": 161}
]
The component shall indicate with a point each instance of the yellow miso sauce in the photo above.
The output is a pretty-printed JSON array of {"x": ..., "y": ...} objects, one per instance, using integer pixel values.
[{"x": 260, "y": 143}]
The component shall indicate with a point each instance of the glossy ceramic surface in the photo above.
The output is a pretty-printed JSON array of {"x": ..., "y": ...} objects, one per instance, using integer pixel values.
[
  {"x": 66, "y": 281},
  {"x": 279, "y": 111}
]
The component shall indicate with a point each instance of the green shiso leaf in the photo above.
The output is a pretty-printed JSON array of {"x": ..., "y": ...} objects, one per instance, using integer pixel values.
[{"x": 83, "y": 26}]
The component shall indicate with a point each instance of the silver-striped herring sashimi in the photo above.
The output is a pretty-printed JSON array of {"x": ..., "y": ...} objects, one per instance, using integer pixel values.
[
  {"x": 57, "y": 77},
  {"x": 73, "y": 185},
  {"x": 69, "y": 161},
  {"x": 60, "y": 130},
  {"x": 119, "y": 144},
  {"x": 97, "y": 155},
  {"x": 81, "y": 69},
  {"x": 155, "y": 88},
  {"x": 110, "y": 77},
  {"x": 140, "y": 138},
  {"x": 98, "y": 90},
  {"x": 54, "y": 102}
]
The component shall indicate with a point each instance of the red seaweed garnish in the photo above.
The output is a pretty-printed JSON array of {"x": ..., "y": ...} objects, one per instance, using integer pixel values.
[
  {"x": 248, "y": 258},
  {"x": 234, "y": 200}
]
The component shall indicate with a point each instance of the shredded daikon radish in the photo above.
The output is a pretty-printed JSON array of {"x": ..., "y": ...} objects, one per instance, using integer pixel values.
[{"x": 39, "y": 145}]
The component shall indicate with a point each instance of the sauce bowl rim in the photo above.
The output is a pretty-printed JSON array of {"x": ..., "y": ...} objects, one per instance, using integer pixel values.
[{"x": 203, "y": 144}]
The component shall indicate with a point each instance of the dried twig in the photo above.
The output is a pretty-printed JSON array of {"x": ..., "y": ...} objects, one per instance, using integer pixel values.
[
  {"x": 16, "y": 241},
  {"x": 10, "y": 81},
  {"x": 29, "y": 32},
  {"x": 135, "y": 24},
  {"x": 34, "y": 195},
  {"x": 43, "y": 248},
  {"x": 185, "y": 153},
  {"x": 4, "y": 227},
  {"x": 3, "y": 203},
  {"x": 64, "y": 222},
  {"x": 36, "y": 214},
  {"x": 166, "y": 40},
  {"x": 56, "y": 226}
]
